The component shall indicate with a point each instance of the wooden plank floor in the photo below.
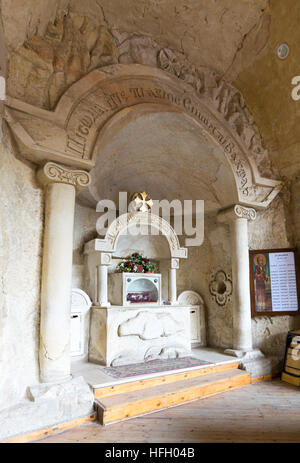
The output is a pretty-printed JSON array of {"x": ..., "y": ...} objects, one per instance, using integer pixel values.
[
  {"x": 268, "y": 411},
  {"x": 132, "y": 404}
]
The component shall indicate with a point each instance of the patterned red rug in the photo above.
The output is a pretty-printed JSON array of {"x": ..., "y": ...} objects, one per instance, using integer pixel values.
[{"x": 154, "y": 366}]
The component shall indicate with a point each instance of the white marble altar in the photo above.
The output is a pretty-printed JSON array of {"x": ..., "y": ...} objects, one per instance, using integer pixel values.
[{"x": 124, "y": 332}]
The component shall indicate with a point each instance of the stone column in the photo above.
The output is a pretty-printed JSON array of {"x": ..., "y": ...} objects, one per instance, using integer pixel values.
[
  {"x": 60, "y": 189},
  {"x": 238, "y": 217},
  {"x": 172, "y": 281},
  {"x": 102, "y": 269}
]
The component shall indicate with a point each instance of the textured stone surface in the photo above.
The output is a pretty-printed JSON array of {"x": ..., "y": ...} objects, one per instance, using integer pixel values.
[
  {"x": 193, "y": 27},
  {"x": 73, "y": 45},
  {"x": 153, "y": 142},
  {"x": 204, "y": 259},
  {"x": 270, "y": 230},
  {"x": 239, "y": 40},
  {"x": 47, "y": 404},
  {"x": 248, "y": 31},
  {"x": 121, "y": 335},
  {"x": 21, "y": 220}
]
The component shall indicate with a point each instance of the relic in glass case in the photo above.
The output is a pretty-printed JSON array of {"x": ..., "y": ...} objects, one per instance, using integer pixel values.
[{"x": 134, "y": 288}]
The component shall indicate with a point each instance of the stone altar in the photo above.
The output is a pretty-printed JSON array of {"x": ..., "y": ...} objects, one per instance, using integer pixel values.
[
  {"x": 123, "y": 335},
  {"x": 124, "y": 332}
]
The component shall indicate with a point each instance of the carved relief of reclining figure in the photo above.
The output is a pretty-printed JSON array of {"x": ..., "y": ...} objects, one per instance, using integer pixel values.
[{"x": 148, "y": 325}]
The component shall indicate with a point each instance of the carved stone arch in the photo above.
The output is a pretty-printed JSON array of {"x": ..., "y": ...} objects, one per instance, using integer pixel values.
[
  {"x": 119, "y": 120},
  {"x": 70, "y": 133},
  {"x": 125, "y": 221},
  {"x": 80, "y": 299},
  {"x": 190, "y": 297}
]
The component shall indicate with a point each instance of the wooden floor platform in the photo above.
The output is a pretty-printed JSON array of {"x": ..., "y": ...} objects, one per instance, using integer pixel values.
[
  {"x": 267, "y": 411},
  {"x": 118, "y": 399},
  {"x": 144, "y": 399},
  {"x": 97, "y": 377},
  {"x": 136, "y": 385}
]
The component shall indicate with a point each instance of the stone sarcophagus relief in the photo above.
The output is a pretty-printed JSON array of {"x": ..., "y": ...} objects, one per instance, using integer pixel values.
[{"x": 120, "y": 336}]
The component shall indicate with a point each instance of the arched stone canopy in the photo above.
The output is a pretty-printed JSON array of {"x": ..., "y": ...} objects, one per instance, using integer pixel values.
[
  {"x": 71, "y": 133},
  {"x": 159, "y": 149},
  {"x": 124, "y": 222}
]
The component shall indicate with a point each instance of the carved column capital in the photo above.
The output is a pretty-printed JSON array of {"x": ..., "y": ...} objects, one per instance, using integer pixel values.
[
  {"x": 105, "y": 258},
  {"x": 56, "y": 173},
  {"x": 236, "y": 212},
  {"x": 174, "y": 263}
]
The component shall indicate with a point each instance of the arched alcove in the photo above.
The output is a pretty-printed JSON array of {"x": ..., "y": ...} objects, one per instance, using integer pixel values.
[
  {"x": 73, "y": 132},
  {"x": 164, "y": 152},
  {"x": 211, "y": 153}
]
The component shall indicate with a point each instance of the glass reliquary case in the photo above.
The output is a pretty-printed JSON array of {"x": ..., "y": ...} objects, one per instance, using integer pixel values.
[{"x": 129, "y": 289}]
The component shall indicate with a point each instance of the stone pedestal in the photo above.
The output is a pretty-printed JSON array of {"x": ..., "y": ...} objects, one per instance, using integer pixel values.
[
  {"x": 60, "y": 189},
  {"x": 256, "y": 363}
]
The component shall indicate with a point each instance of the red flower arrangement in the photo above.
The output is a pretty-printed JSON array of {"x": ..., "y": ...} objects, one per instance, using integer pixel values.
[{"x": 136, "y": 264}]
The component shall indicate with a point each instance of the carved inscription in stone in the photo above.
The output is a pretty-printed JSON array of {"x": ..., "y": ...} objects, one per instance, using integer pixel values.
[{"x": 87, "y": 118}]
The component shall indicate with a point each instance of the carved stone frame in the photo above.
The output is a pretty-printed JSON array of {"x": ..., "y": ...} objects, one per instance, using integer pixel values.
[
  {"x": 108, "y": 244},
  {"x": 71, "y": 133}
]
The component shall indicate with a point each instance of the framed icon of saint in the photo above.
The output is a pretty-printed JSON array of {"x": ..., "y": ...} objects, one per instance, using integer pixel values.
[{"x": 274, "y": 282}]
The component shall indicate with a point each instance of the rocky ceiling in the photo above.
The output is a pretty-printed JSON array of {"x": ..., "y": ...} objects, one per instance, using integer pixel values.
[
  {"x": 167, "y": 155},
  {"x": 236, "y": 38}
]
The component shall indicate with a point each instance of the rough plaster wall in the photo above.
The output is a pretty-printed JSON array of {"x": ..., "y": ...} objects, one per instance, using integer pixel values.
[
  {"x": 249, "y": 32},
  {"x": 81, "y": 36},
  {"x": 295, "y": 209},
  {"x": 24, "y": 18},
  {"x": 194, "y": 274},
  {"x": 266, "y": 86},
  {"x": 2, "y": 51},
  {"x": 84, "y": 231},
  {"x": 270, "y": 230},
  {"x": 21, "y": 222},
  {"x": 192, "y": 27},
  {"x": 41, "y": 70}
]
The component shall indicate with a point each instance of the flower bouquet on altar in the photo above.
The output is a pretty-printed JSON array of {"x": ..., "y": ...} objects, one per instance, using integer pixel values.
[{"x": 136, "y": 263}]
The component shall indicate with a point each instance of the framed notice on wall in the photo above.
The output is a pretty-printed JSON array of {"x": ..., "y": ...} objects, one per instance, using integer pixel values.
[{"x": 274, "y": 282}]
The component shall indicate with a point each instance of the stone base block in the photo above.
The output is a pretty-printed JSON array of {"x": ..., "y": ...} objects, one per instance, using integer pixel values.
[
  {"x": 256, "y": 363},
  {"x": 47, "y": 405},
  {"x": 245, "y": 355},
  {"x": 263, "y": 366}
]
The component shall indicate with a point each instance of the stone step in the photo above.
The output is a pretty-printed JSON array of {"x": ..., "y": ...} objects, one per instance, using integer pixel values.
[
  {"x": 120, "y": 407},
  {"x": 164, "y": 378}
]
